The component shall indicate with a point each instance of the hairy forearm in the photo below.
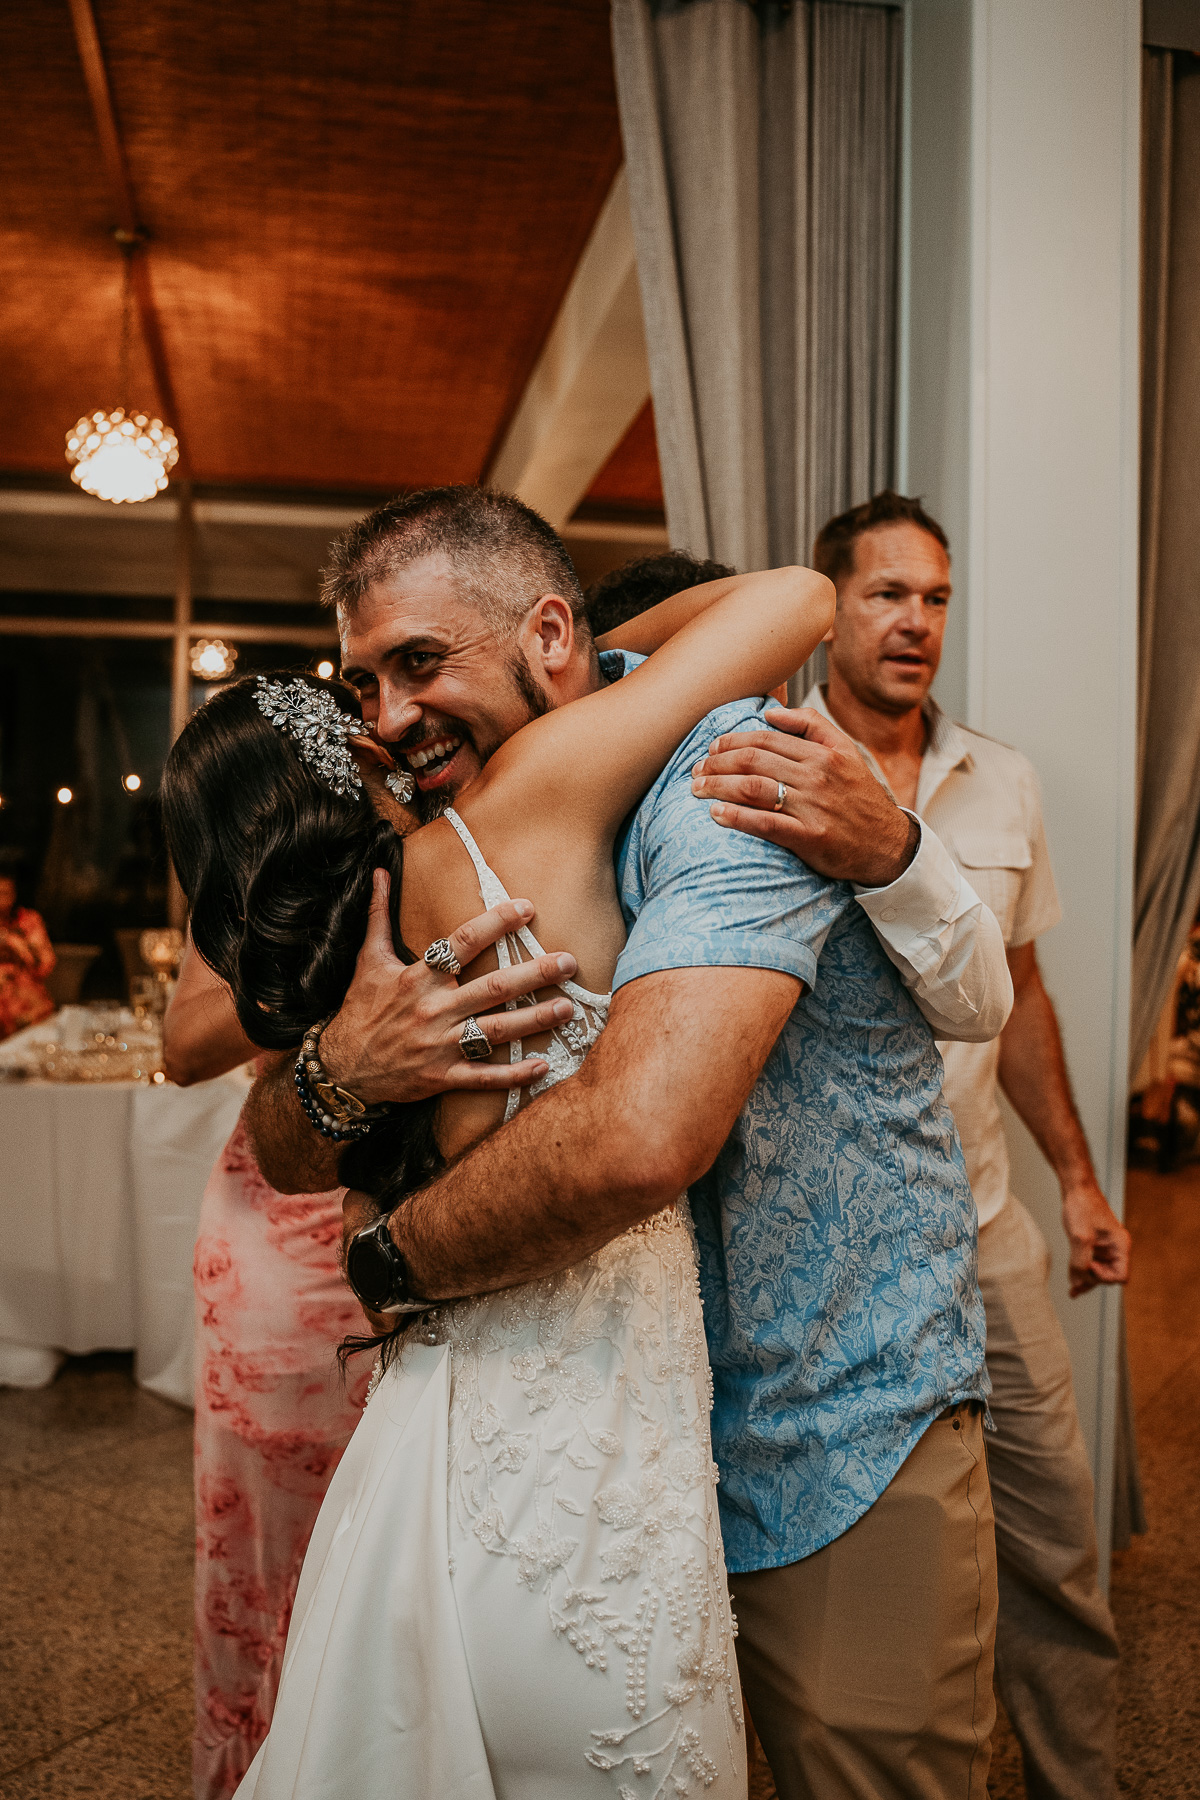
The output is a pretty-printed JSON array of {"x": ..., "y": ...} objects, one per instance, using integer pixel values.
[
  {"x": 293, "y": 1157},
  {"x": 507, "y": 1211},
  {"x": 643, "y": 1118},
  {"x": 1033, "y": 1074}
]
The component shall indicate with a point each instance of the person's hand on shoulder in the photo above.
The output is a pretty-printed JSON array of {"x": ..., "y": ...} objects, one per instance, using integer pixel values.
[
  {"x": 396, "y": 1035},
  {"x": 803, "y": 785}
]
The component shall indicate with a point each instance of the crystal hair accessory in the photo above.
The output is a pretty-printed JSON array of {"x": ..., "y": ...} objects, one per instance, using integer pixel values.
[
  {"x": 318, "y": 727},
  {"x": 403, "y": 786}
]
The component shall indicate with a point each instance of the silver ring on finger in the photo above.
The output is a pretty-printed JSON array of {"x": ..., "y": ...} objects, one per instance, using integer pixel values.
[
  {"x": 472, "y": 1041},
  {"x": 780, "y": 797},
  {"x": 441, "y": 956}
]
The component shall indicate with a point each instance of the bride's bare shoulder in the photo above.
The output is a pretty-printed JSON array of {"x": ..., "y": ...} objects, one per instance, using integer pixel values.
[{"x": 440, "y": 889}]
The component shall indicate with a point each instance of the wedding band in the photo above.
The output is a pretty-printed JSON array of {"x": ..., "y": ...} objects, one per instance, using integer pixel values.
[
  {"x": 441, "y": 957},
  {"x": 473, "y": 1042},
  {"x": 780, "y": 797}
]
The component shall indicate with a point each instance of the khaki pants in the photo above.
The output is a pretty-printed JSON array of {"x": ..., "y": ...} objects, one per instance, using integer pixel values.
[
  {"x": 1056, "y": 1649},
  {"x": 867, "y": 1668}
]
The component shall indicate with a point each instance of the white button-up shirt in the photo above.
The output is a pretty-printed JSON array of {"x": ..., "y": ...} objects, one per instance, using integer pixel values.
[{"x": 984, "y": 801}]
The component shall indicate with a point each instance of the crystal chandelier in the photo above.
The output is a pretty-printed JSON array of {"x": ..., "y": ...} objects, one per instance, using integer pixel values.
[
  {"x": 121, "y": 458},
  {"x": 122, "y": 455}
]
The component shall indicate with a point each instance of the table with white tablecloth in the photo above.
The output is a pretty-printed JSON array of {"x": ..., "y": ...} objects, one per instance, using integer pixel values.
[{"x": 100, "y": 1190}]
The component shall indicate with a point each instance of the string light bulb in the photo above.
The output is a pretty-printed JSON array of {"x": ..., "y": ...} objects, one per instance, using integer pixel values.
[
  {"x": 65, "y": 796},
  {"x": 325, "y": 669},
  {"x": 212, "y": 660},
  {"x": 131, "y": 783}
]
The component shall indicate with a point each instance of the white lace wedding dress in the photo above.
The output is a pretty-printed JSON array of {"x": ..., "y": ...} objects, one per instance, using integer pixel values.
[{"x": 515, "y": 1589}]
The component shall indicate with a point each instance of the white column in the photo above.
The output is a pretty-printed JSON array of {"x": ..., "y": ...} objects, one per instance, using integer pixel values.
[{"x": 1019, "y": 423}]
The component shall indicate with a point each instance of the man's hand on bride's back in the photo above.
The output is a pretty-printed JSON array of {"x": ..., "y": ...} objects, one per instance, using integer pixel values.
[
  {"x": 397, "y": 1034},
  {"x": 833, "y": 813}
]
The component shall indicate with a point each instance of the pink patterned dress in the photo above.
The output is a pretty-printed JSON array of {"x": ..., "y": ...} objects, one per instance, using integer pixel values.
[{"x": 272, "y": 1419}]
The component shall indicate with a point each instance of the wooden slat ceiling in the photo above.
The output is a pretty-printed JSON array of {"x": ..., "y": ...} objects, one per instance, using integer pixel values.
[{"x": 364, "y": 215}]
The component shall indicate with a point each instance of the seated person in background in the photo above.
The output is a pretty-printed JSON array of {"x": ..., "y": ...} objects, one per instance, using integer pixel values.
[{"x": 26, "y": 959}]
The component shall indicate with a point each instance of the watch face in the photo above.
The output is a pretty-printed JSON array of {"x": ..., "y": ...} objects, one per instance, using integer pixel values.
[{"x": 371, "y": 1270}]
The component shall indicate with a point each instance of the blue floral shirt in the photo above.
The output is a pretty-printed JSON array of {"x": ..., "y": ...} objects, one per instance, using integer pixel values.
[{"x": 836, "y": 1229}]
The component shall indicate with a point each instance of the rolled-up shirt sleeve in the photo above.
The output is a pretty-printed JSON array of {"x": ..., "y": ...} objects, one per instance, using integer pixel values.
[
  {"x": 696, "y": 895},
  {"x": 945, "y": 943}
]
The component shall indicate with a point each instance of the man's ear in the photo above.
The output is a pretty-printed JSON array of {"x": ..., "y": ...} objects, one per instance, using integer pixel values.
[
  {"x": 551, "y": 629},
  {"x": 832, "y": 632}
]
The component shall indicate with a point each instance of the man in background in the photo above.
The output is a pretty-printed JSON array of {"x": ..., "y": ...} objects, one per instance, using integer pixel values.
[{"x": 1056, "y": 1648}]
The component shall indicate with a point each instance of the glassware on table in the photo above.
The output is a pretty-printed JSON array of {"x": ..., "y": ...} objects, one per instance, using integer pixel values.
[
  {"x": 72, "y": 1027},
  {"x": 146, "y": 993},
  {"x": 106, "y": 1020},
  {"x": 162, "y": 948}
]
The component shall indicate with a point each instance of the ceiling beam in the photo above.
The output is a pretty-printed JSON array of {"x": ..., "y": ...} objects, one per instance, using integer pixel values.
[
  {"x": 603, "y": 531},
  {"x": 591, "y": 379},
  {"x": 164, "y": 509},
  {"x": 130, "y": 234},
  {"x": 30, "y": 625},
  {"x": 112, "y": 151}
]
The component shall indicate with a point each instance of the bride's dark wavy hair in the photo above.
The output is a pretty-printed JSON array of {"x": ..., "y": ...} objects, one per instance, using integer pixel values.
[{"x": 278, "y": 869}]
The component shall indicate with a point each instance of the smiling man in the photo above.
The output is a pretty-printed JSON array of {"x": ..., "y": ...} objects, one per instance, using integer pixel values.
[{"x": 422, "y": 643}]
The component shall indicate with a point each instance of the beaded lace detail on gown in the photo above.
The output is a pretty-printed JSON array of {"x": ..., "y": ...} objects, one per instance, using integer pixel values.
[{"x": 596, "y": 1383}]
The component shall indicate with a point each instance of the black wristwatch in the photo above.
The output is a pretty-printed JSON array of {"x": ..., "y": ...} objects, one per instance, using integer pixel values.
[{"x": 378, "y": 1272}]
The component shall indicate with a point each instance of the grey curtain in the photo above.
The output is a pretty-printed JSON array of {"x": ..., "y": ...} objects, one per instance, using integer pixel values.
[
  {"x": 1167, "y": 860},
  {"x": 1167, "y": 868},
  {"x": 762, "y": 144}
]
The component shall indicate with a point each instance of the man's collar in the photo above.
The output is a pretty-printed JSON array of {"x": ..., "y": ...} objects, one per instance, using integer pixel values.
[{"x": 944, "y": 744}]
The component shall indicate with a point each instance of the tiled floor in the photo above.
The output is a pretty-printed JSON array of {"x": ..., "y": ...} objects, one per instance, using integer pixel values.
[
  {"x": 96, "y": 1552},
  {"x": 95, "y": 1589},
  {"x": 1156, "y": 1583}
]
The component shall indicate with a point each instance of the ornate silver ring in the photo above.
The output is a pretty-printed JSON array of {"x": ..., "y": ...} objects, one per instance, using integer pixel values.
[
  {"x": 780, "y": 797},
  {"x": 440, "y": 956},
  {"x": 473, "y": 1042}
]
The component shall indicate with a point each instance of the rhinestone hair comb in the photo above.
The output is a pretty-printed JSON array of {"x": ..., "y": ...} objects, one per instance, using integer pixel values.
[{"x": 321, "y": 732}]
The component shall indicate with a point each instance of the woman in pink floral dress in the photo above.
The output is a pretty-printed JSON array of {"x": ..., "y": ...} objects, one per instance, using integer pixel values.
[{"x": 273, "y": 1416}]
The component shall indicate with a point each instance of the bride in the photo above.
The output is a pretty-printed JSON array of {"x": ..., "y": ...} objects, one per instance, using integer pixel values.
[{"x": 515, "y": 1589}]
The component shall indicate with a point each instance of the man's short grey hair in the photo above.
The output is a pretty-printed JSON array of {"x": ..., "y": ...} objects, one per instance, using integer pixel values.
[{"x": 503, "y": 554}]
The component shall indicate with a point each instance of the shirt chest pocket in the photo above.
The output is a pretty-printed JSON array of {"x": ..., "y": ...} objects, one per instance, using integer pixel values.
[{"x": 995, "y": 862}]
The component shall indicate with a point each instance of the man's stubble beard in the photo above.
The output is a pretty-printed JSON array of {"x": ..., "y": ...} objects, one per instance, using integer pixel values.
[
  {"x": 433, "y": 806},
  {"x": 874, "y": 697}
]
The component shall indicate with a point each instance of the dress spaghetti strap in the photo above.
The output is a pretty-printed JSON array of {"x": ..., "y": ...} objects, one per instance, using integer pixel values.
[{"x": 568, "y": 1043}]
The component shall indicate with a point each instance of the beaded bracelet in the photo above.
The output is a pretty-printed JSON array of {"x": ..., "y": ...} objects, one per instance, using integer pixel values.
[{"x": 332, "y": 1110}]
